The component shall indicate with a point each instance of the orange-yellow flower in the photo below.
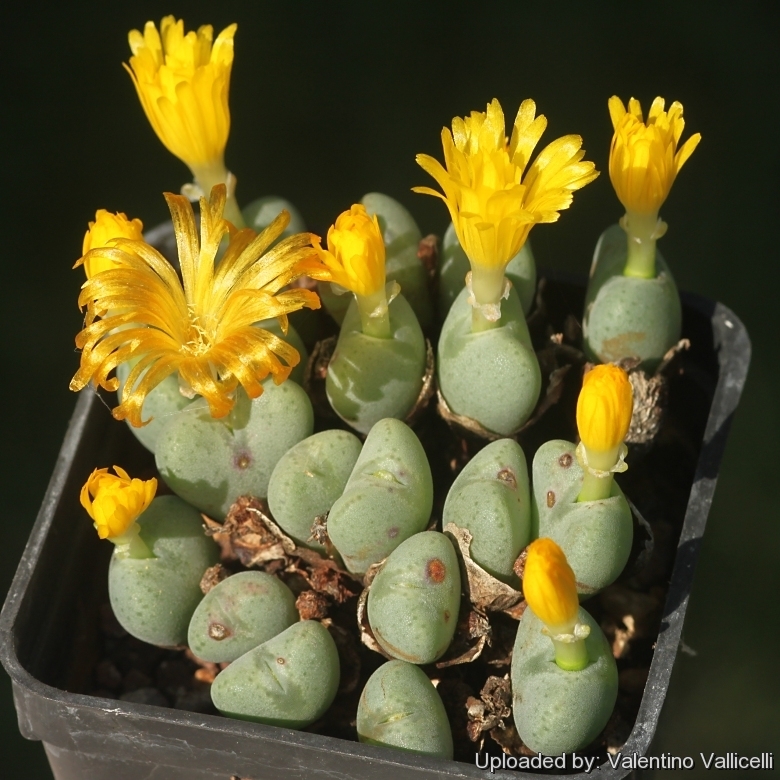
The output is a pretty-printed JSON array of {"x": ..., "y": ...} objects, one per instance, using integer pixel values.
[
  {"x": 604, "y": 408},
  {"x": 492, "y": 199},
  {"x": 183, "y": 83},
  {"x": 204, "y": 330},
  {"x": 549, "y": 586},
  {"x": 355, "y": 257},
  {"x": 115, "y": 502},
  {"x": 644, "y": 159},
  {"x": 101, "y": 232}
]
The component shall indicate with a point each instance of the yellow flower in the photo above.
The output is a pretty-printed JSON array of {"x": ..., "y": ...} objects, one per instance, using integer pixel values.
[
  {"x": 115, "y": 502},
  {"x": 644, "y": 159},
  {"x": 604, "y": 408},
  {"x": 204, "y": 330},
  {"x": 355, "y": 258},
  {"x": 492, "y": 204},
  {"x": 549, "y": 586},
  {"x": 183, "y": 83},
  {"x": 106, "y": 227}
]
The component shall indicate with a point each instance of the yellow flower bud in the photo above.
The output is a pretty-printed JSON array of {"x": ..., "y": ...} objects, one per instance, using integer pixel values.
[
  {"x": 549, "y": 586},
  {"x": 106, "y": 227},
  {"x": 115, "y": 502},
  {"x": 604, "y": 408},
  {"x": 644, "y": 159},
  {"x": 355, "y": 258}
]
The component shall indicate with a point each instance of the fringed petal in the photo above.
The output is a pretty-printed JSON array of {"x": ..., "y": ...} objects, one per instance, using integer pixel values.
[
  {"x": 186, "y": 233},
  {"x": 151, "y": 369}
]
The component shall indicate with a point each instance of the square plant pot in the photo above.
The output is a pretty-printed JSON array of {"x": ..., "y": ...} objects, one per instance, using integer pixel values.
[{"x": 49, "y": 631}]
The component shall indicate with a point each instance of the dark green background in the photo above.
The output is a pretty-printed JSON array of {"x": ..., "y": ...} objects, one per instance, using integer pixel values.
[{"x": 331, "y": 100}]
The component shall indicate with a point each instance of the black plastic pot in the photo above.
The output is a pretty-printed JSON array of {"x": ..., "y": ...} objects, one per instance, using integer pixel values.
[{"x": 48, "y": 628}]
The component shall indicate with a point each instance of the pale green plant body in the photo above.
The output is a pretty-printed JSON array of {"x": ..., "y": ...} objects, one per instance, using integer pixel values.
[
  {"x": 414, "y": 599},
  {"x": 371, "y": 378},
  {"x": 153, "y": 598},
  {"x": 558, "y": 711},
  {"x": 238, "y": 614},
  {"x": 629, "y": 316},
  {"x": 492, "y": 499},
  {"x": 388, "y": 497},
  {"x": 308, "y": 479},
  {"x": 492, "y": 376},
  {"x": 596, "y": 536},
  {"x": 211, "y": 462},
  {"x": 288, "y": 681},
  {"x": 400, "y": 708}
]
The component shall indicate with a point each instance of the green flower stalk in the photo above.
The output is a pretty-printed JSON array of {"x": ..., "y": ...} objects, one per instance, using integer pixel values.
[
  {"x": 632, "y": 303},
  {"x": 453, "y": 266}
]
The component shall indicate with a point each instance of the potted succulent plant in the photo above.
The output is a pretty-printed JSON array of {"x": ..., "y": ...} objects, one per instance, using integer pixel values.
[{"x": 286, "y": 562}]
